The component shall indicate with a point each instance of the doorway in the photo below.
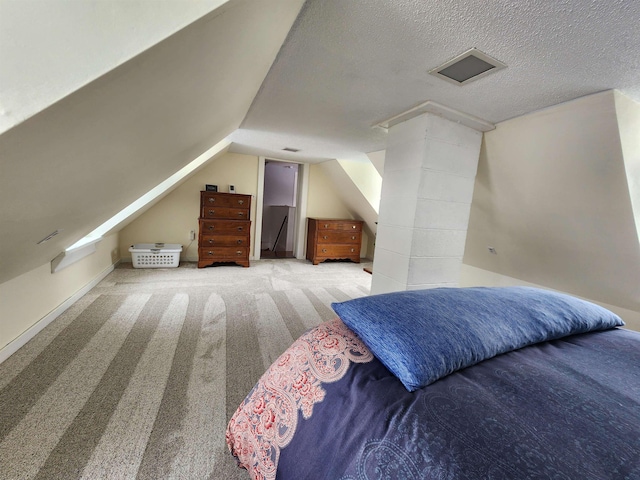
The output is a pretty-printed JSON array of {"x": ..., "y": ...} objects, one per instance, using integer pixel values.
[{"x": 279, "y": 209}]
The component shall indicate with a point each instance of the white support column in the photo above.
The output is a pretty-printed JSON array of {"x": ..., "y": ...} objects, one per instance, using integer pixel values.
[{"x": 429, "y": 174}]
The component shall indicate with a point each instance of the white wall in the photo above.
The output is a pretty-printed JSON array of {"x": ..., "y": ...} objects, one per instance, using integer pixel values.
[
  {"x": 335, "y": 179},
  {"x": 280, "y": 182},
  {"x": 551, "y": 196},
  {"x": 377, "y": 159},
  {"x": 27, "y": 299},
  {"x": 323, "y": 199},
  {"x": 628, "y": 113},
  {"x": 366, "y": 178},
  {"x": 172, "y": 218},
  {"x": 476, "y": 277}
]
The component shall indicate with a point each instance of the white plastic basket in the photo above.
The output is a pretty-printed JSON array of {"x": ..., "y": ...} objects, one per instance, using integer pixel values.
[{"x": 155, "y": 255}]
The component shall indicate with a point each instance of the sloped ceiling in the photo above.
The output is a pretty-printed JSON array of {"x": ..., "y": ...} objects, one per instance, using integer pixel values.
[
  {"x": 80, "y": 161},
  {"x": 50, "y": 49}
]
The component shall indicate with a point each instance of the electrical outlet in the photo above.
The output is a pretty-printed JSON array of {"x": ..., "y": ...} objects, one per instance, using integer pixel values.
[{"x": 192, "y": 235}]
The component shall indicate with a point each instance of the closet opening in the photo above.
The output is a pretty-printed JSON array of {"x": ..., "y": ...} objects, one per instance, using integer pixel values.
[{"x": 279, "y": 209}]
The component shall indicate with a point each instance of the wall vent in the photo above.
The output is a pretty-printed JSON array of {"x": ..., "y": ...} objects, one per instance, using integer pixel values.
[{"x": 467, "y": 67}]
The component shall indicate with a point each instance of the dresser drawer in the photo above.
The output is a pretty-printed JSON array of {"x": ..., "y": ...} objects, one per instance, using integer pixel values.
[
  {"x": 224, "y": 227},
  {"x": 337, "y": 251},
  {"x": 339, "y": 236},
  {"x": 221, "y": 254},
  {"x": 225, "y": 212},
  {"x": 223, "y": 241},
  {"x": 215, "y": 199},
  {"x": 339, "y": 225}
]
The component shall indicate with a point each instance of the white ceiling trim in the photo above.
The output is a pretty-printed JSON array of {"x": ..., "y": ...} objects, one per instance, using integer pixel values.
[{"x": 441, "y": 110}]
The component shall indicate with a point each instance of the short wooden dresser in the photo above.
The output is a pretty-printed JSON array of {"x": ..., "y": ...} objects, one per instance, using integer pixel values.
[
  {"x": 329, "y": 238},
  {"x": 225, "y": 228}
]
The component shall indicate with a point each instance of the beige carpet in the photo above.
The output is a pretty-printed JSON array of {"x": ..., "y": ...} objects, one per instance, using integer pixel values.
[{"x": 140, "y": 376}]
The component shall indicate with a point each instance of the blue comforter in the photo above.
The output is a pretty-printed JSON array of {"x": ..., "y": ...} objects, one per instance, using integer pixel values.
[
  {"x": 562, "y": 409},
  {"x": 565, "y": 409}
]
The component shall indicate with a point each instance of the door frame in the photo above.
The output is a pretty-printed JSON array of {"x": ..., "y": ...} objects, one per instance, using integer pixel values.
[{"x": 301, "y": 208}]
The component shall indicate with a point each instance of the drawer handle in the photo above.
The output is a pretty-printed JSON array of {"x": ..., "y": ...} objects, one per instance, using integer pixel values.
[
  {"x": 239, "y": 252},
  {"x": 353, "y": 237},
  {"x": 241, "y": 202},
  {"x": 212, "y": 212},
  {"x": 325, "y": 237},
  {"x": 210, "y": 252},
  {"x": 210, "y": 227},
  {"x": 353, "y": 226},
  {"x": 210, "y": 242},
  {"x": 212, "y": 200},
  {"x": 241, "y": 214},
  {"x": 324, "y": 250},
  {"x": 326, "y": 225},
  {"x": 239, "y": 242},
  {"x": 353, "y": 250},
  {"x": 240, "y": 229}
]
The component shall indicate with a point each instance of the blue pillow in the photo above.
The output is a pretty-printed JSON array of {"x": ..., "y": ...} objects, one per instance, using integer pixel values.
[{"x": 424, "y": 335}]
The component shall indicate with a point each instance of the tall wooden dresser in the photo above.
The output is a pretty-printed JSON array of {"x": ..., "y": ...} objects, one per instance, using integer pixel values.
[
  {"x": 334, "y": 239},
  {"x": 225, "y": 228}
]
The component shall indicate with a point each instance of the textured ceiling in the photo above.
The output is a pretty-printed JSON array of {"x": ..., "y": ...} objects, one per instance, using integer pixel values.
[{"x": 348, "y": 65}]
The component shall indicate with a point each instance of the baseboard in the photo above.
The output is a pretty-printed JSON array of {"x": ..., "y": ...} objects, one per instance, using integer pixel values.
[{"x": 13, "y": 346}]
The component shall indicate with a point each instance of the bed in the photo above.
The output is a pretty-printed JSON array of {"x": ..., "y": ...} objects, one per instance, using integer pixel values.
[{"x": 449, "y": 383}]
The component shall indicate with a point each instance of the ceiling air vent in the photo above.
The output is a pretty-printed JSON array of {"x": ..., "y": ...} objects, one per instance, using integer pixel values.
[
  {"x": 467, "y": 67},
  {"x": 289, "y": 149}
]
